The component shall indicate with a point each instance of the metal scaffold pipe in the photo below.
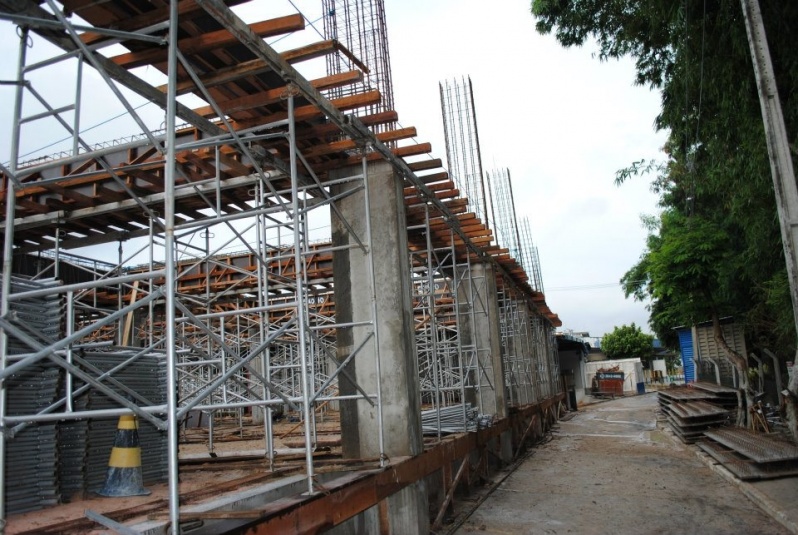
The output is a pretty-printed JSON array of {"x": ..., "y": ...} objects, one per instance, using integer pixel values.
[{"x": 171, "y": 270}]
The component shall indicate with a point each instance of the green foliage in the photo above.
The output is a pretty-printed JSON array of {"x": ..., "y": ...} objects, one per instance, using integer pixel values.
[
  {"x": 627, "y": 342},
  {"x": 715, "y": 248}
]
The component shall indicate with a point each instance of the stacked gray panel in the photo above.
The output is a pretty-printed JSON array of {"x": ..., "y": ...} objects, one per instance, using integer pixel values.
[
  {"x": 72, "y": 436},
  {"x": 39, "y": 317},
  {"x": 31, "y": 473},
  {"x": 147, "y": 377}
]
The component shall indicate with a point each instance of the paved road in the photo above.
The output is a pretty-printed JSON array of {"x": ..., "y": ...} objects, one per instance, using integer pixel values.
[{"x": 609, "y": 470}]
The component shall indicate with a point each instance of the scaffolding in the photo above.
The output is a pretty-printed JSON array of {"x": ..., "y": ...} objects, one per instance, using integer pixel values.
[
  {"x": 249, "y": 170},
  {"x": 259, "y": 342}
]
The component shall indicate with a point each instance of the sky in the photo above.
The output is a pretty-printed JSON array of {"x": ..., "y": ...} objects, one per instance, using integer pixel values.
[
  {"x": 562, "y": 122},
  {"x": 559, "y": 119}
]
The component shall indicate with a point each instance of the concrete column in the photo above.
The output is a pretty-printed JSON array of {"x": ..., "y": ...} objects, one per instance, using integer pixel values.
[
  {"x": 407, "y": 510},
  {"x": 551, "y": 357},
  {"x": 486, "y": 336}
]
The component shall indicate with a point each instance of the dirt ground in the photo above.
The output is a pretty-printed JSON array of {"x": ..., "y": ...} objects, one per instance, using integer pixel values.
[{"x": 610, "y": 470}]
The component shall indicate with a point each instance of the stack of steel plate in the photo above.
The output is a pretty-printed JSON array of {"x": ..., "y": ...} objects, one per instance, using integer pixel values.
[
  {"x": 72, "y": 453},
  {"x": 31, "y": 452},
  {"x": 681, "y": 394},
  {"x": 750, "y": 455},
  {"x": 38, "y": 317},
  {"x": 147, "y": 377},
  {"x": 692, "y": 409},
  {"x": 690, "y": 419},
  {"x": 723, "y": 395}
]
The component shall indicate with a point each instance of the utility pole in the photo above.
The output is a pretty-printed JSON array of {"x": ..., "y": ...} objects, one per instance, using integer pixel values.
[{"x": 780, "y": 163}]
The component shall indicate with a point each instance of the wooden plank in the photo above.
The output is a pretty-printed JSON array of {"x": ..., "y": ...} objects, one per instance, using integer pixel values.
[
  {"x": 275, "y": 95},
  {"x": 433, "y": 177},
  {"x": 54, "y": 204},
  {"x": 408, "y": 150},
  {"x": 413, "y": 191},
  {"x": 328, "y": 129},
  {"x": 77, "y": 198},
  {"x": 456, "y": 204},
  {"x": 185, "y": 10},
  {"x": 441, "y": 195},
  {"x": 348, "y": 144},
  {"x": 425, "y": 165},
  {"x": 235, "y": 168},
  {"x": 310, "y": 111},
  {"x": 128, "y": 329},
  {"x": 209, "y": 41},
  {"x": 254, "y": 67},
  {"x": 144, "y": 156},
  {"x": 108, "y": 195},
  {"x": 195, "y": 159},
  {"x": 32, "y": 206}
]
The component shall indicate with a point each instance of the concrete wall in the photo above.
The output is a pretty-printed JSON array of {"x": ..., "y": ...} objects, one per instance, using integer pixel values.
[
  {"x": 628, "y": 367},
  {"x": 572, "y": 362}
]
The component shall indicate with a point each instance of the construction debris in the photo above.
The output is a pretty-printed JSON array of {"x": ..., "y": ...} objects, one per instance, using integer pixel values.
[{"x": 454, "y": 419}]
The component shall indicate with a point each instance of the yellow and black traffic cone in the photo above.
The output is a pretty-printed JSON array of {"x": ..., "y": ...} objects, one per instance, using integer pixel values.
[{"x": 124, "y": 466}]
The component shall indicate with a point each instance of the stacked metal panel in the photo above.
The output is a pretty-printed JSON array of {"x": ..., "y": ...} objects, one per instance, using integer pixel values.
[
  {"x": 31, "y": 455},
  {"x": 690, "y": 411},
  {"x": 750, "y": 455},
  {"x": 723, "y": 395},
  {"x": 72, "y": 437},
  {"x": 689, "y": 420},
  {"x": 31, "y": 472},
  {"x": 50, "y": 462},
  {"x": 147, "y": 377}
]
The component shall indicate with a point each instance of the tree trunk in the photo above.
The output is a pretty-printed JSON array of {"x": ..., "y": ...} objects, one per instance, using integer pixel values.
[
  {"x": 791, "y": 402},
  {"x": 744, "y": 399}
]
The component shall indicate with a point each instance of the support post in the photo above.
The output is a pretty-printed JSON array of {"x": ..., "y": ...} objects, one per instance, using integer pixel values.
[{"x": 171, "y": 273}]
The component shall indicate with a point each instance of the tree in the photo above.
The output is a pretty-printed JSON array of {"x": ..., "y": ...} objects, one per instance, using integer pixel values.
[
  {"x": 715, "y": 249},
  {"x": 628, "y": 342}
]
